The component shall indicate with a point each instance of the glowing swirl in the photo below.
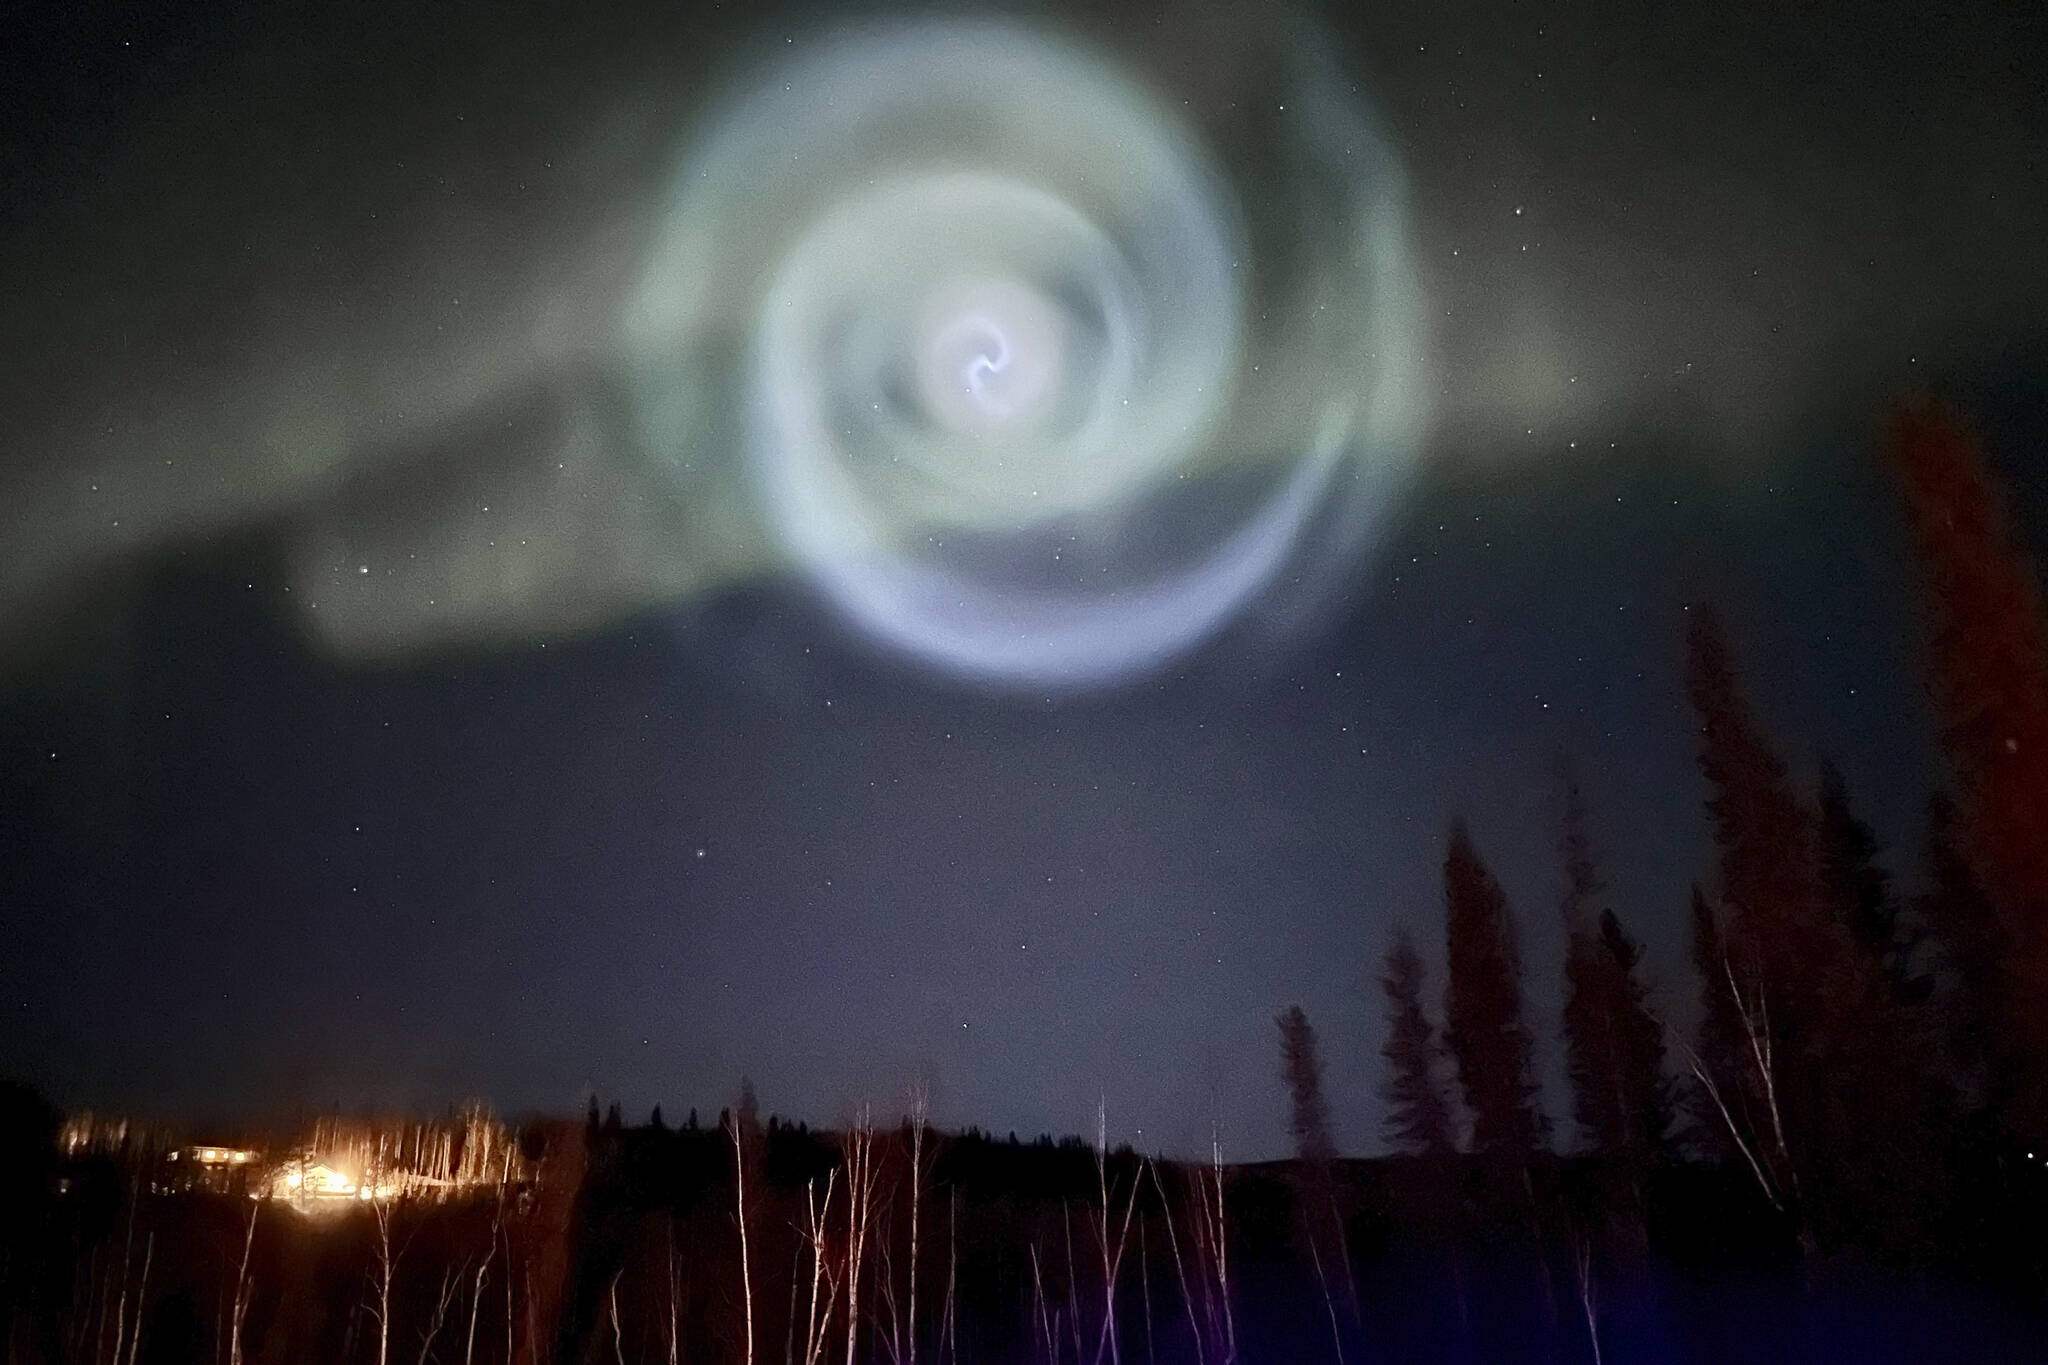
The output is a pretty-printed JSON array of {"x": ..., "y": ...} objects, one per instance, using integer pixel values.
[{"x": 974, "y": 303}]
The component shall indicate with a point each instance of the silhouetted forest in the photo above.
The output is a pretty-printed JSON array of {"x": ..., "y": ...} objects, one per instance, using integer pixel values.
[{"x": 1841, "y": 1154}]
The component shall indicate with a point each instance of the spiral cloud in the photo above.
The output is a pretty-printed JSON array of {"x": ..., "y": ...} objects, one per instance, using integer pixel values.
[{"x": 1042, "y": 368}]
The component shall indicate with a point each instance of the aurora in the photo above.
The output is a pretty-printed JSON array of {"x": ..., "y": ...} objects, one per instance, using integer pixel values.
[{"x": 987, "y": 309}]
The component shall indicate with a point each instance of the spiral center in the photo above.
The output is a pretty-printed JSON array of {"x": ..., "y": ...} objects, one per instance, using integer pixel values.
[
  {"x": 992, "y": 361},
  {"x": 992, "y": 358}
]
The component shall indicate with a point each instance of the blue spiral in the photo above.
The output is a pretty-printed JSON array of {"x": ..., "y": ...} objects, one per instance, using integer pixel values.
[{"x": 998, "y": 336}]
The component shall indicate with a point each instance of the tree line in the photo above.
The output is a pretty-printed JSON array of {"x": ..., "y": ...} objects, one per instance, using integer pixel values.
[
  {"x": 1866, "y": 1073},
  {"x": 1862, "y": 1053}
]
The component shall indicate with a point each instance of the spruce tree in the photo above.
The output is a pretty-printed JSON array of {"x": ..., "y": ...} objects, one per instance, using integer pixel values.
[
  {"x": 1969, "y": 953},
  {"x": 1821, "y": 1079},
  {"x": 1639, "y": 1049},
  {"x": 1418, "y": 1120},
  {"x": 1614, "y": 1046},
  {"x": 1857, "y": 886},
  {"x": 1308, "y": 1114},
  {"x": 1315, "y": 1173},
  {"x": 1861, "y": 896},
  {"x": 1773, "y": 921},
  {"x": 1719, "y": 1050},
  {"x": 1591, "y": 1053},
  {"x": 1483, "y": 1008},
  {"x": 1987, "y": 661}
]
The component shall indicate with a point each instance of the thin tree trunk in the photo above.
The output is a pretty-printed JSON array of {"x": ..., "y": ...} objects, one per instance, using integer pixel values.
[
  {"x": 1583, "y": 1261},
  {"x": 1073, "y": 1281},
  {"x": 674, "y": 1326},
  {"x": 859, "y": 1197},
  {"x": 917, "y": 1122},
  {"x": 739, "y": 1162},
  {"x": 1052, "y": 1342},
  {"x": 618, "y": 1337},
  {"x": 1220, "y": 1239},
  {"x": 242, "y": 1291},
  {"x": 451, "y": 1285},
  {"x": 950, "y": 1343},
  {"x": 1329, "y": 1303},
  {"x": 121, "y": 1305},
  {"x": 141, "y": 1299},
  {"x": 1187, "y": 1297},
  {"x": 796, "y": 1273},
  {"x": 1145, "y": 1278}
]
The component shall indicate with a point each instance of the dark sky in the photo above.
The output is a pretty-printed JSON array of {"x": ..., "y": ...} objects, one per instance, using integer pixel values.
[{"x": 636, "y": 812}]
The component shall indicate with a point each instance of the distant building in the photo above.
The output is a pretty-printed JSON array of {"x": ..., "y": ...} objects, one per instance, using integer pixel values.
[
  {"x": 216, "y": 1156},
  {"x": 224, "y": 1170},
  {"x": 467, "y": 1153},
  {"x": 306, "y": 1177}
]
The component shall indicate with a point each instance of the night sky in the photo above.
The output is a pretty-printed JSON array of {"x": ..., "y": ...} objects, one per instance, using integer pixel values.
[{"x": 384, "y": 723}]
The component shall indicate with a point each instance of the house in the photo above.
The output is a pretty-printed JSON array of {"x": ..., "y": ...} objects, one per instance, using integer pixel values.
[
  {"x": 220, "y": 1169},
  {"x": 306, "y": 1176}
]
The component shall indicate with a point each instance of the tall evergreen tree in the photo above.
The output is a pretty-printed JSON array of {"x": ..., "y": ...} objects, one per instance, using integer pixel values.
[
  {"x": 1308, "y": 1118},
  {"x": 1483, "y": 1008},
  {"x": 1315, "y": 1174},
  {"x": 1969, "y": 953},
  {"x": 1614, "y": 1046},
  {"x": 1857, "y": 886},
  {"x": 1987, "y": 660},
  {"x": 1773, "y": 922},
  {"x": 1591, "y": 1050},
  {"x": 1821, "y": 1075},
  {"x": 1418, "y": 1121},
  {"x": 1859, "y": 891},
  {"x": 1776, "y": 958},
  {"x": 1719, "y": 1050},
  {"x": 1645, "y": 1091},
  {"x": 1775, "y": 981}
]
